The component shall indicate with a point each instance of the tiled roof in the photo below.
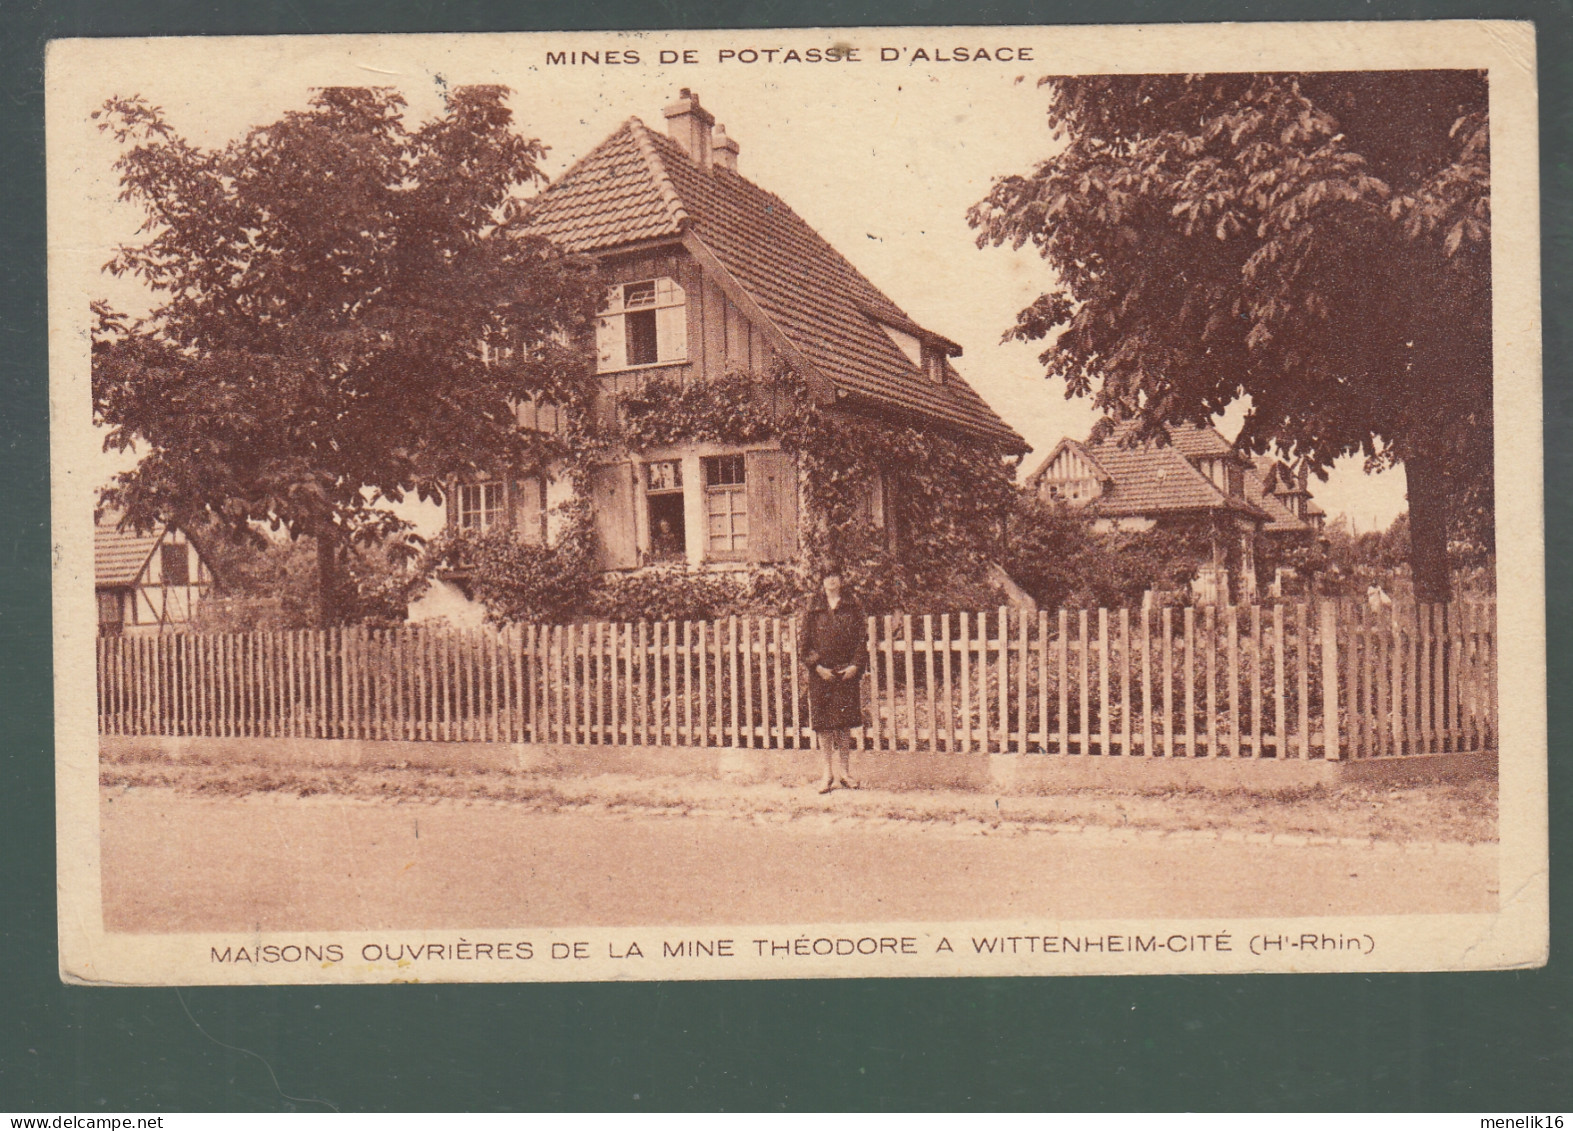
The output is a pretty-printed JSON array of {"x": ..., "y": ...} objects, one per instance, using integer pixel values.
[
  {"x": 640, "y": 185},
  {"x": 119, "y": 556},
  {"x": 612, "y": 196},
  {"x": 1196, "y": 440},
  {"x": 1269, "y": 470},
  {"x": 1149, "y": 479},
  {"x": 1282, "y": 518}
]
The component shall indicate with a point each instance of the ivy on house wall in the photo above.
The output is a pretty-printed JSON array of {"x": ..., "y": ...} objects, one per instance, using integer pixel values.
[{"x": 947, "y": 498}]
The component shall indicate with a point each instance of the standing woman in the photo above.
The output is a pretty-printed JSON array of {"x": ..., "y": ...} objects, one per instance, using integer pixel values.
[{"x": 834, "y": 652}]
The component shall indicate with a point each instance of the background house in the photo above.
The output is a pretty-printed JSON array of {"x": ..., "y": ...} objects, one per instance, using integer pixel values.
[
  {"x": 709, "y": 275},
  {"x": 146, "y": 583},
  {"x": 1243, "y": 509}
]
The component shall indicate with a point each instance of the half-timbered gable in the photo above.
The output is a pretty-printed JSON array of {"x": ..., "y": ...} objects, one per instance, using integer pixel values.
[
  {"x": 148, "y": 582},
  {"x": 1070, "y": 475}
]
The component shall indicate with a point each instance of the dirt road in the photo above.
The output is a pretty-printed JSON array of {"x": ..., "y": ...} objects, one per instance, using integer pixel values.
[{"x": 177, "y": 862}]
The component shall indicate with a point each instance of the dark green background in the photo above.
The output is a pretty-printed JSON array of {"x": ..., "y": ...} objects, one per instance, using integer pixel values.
[{"x": 1487, "y": 1042}]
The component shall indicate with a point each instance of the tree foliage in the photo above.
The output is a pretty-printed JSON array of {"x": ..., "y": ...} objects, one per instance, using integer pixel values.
[
  {"x": 262, "y": 584},
  {"x": 343, "y": 316},
  {"x": 1319, "y": 243}
]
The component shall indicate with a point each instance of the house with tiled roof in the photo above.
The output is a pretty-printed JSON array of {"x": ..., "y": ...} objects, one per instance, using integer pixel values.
[
  {"x": 1189, "y": 478},
  {"x": 710, "y": 275},
  {"x": 146, "y": 582}
]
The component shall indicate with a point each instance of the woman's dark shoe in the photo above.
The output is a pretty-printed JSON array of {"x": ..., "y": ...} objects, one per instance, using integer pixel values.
[
  {"x": 827, "y": 785},
  {"x": 852, "y": 783}
]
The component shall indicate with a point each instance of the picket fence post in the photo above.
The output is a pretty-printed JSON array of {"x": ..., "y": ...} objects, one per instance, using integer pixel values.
[{"x": 1330, "y": 742}]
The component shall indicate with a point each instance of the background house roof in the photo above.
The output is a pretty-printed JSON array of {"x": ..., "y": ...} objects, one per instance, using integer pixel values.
[
  {"x": 640, "y": 185},
  {"x": 1149, "y": 479},
  {"x": 120, "y": 556},
  {"x": 1194, "y": 440}
]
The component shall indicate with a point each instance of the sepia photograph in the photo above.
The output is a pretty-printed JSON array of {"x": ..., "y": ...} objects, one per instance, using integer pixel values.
[{"x": 855, "y": 503}]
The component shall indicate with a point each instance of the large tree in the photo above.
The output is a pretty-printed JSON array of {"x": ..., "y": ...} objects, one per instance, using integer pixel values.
[
  {"x": 343, "y": 316},
  {"x": 1319, "y": 243}
]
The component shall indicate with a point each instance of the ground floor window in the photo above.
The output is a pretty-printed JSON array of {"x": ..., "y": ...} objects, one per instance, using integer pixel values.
[
  {"x": 480, "y": 505},
  {"x": 726, "y": 503},
  {"x": 108, "y": 610},
  {"x": 664, "y": 500}
]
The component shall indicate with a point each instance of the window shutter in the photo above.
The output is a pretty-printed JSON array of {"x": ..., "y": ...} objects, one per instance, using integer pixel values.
[
  {"x": 864, "y": 505},
  {"x": 610, "y": 348},
  {"x": 888, "y": 499},
  {"x": 671, "y": 321},
  {"x": 787, "y": 505},
  {"x": 452, "y": 496},
  {"x": 527, "y": 511},
  {"x": 772, "y": 506},
  {"x": 612, "y": 496},
  {"x": 671, "y": 333}
]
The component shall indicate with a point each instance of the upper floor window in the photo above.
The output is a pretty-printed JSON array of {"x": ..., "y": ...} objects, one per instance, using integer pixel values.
[
  {"x": 1224, "y": 473},
  {"x": 480, "y": 505},
  {"x": 644, "y": 323},
  {"x": 174, "y": 564},
  {"x": 1073, "y": 491}
]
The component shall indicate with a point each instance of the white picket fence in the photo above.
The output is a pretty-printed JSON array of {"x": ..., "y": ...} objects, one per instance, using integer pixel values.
[{"x": 1324, "y": 680}]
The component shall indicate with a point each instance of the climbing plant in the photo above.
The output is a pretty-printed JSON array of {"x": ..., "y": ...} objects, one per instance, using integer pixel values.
[{"x": 947, "y": 499}]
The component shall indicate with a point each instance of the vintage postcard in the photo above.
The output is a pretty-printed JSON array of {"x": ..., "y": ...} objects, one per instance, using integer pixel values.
[{"x": 808, "y": 503}]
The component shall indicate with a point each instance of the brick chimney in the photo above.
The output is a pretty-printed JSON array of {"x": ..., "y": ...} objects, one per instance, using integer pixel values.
[
  {"x": 689, "y": 124},
  {"x": 724, "y": 149}
]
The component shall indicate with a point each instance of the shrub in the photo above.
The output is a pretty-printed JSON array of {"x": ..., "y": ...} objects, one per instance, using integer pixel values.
[
  {"x": 519, "y": 582},
  {"x": 679, "y": 592},
  {"x": 1053, "y": 552}
]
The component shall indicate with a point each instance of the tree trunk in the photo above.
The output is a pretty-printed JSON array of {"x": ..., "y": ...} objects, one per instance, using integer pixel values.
[
  {"x": 329, "y": 580},
  {"x": 1428, "y": 506}
]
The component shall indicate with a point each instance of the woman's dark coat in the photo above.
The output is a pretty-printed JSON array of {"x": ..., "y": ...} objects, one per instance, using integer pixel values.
[{"x": 834, "y": 639}]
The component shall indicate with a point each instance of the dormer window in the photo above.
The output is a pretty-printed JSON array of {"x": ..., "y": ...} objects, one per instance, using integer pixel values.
[
  {"x": 644, "y": 323},
  {"x": 930, "y": 359},
  {"x": 1225, "y": 474}
]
